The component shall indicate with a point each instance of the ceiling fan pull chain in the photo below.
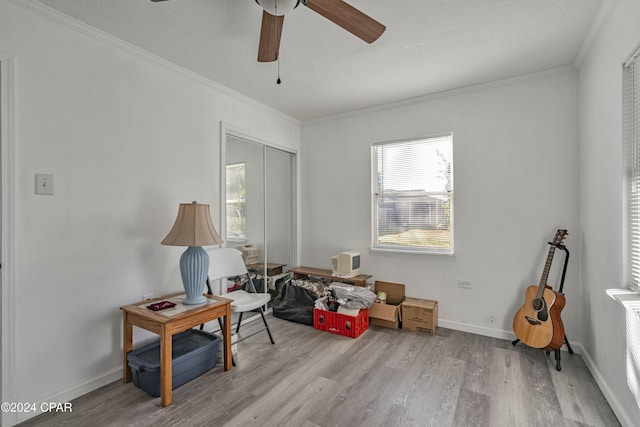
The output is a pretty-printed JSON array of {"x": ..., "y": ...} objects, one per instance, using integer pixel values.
[
  {"x": 278, "y": 42},
  {"x": 278, "y": 81}
]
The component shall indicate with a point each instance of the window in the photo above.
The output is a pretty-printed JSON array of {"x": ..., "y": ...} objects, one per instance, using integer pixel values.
[
  {"x": 413, "y": 195},
  {"x": 631, "y": 126},
  {"x": 236, "y": 191}
]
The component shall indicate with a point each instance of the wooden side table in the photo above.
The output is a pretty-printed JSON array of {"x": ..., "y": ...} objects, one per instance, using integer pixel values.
[
  {"x": 304, "y": 272},
  {"x": 273, "y": 269},
  {"x": 169, "y": 322}
]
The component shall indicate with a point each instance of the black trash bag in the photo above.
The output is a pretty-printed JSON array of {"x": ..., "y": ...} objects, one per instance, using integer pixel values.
[
  {"x": 295, "y": 304},
  {"x": 257, "y": 283}
]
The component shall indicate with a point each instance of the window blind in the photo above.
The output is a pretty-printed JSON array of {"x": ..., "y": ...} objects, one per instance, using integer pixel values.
[
  {"x": 413, "y": 192},
  {"x": 631, "y": 134}
]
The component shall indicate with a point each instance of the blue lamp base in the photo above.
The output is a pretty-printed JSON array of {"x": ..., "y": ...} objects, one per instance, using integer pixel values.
[{"x": 194, "y": 267}]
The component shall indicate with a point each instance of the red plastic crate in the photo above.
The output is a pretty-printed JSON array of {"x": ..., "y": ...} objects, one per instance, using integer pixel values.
[{"x": 341, "y": 324}]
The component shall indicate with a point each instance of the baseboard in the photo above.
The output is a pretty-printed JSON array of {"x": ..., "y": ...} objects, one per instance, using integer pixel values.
[
  {"x": 74, "y": 392},
  {"x": 617, "y": 408},
  {"x": 494, "y": 333},
  {"x": 475, "y": 329}
]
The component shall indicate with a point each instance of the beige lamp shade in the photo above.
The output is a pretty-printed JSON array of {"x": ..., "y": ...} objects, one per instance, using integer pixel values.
[{"x": 193, "y": 227}]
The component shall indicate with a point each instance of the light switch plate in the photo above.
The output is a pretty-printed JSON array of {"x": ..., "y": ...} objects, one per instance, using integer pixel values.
[{"x": 44, "y": 184}]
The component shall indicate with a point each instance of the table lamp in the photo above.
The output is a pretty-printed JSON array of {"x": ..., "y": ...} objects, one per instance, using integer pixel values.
[{"x": 193, "y": 228}]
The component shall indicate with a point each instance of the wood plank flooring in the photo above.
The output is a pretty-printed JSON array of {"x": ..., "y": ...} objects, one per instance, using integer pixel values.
[{"x": 311, "y": 378}]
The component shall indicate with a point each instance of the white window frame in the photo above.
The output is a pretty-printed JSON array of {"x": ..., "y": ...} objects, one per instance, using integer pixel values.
[
  {"x": 631, "y": 136},
  {"x": 242, "y": 237},
  {"x": 376, "y": 246}
]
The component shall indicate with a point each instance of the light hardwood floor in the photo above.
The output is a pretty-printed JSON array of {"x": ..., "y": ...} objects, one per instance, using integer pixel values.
[{"x": 311, "y": 378}]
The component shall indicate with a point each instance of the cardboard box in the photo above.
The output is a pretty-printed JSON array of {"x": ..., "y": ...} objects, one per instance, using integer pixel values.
[
  {"x": 420, "y": 315},
  {"x": 389, "y": 314}
]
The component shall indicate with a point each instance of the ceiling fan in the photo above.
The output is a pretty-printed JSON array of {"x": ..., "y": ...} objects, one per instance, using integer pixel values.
[{"x": 336, "y": 11}]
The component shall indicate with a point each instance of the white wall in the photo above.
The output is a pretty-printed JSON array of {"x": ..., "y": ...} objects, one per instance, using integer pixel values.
[
  {"x": 127, "y": 139},
  {"x": 515, "y": 178},
  {"x": 601, "y": 195}
]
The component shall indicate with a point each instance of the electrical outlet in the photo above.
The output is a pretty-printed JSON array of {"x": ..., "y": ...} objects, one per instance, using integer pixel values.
[
  {"x": 147, "y": 297},
  {"x": 465, "y": 284}
]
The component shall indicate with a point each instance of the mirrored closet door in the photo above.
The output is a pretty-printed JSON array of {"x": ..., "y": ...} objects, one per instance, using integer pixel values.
[{"x": 260, "y": 208}]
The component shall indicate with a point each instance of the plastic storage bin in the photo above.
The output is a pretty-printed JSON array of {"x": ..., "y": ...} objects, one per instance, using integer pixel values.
[
  {"x": 341, "y": 324},
  {"x": 194, "y": 353}
]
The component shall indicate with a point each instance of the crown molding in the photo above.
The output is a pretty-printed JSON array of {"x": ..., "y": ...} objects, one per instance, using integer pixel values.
[
  {"x": 87, "y": 30},
  {"x": 595, "y": 30},
  {"x": 509, "y": 81}
]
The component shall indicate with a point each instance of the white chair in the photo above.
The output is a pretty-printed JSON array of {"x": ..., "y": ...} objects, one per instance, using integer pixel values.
[{"x": 228, "y": 262}]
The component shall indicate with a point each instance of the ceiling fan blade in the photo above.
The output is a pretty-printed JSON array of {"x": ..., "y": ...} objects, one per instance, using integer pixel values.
[
  {"x": 157, "y": 1},
  {"x": 348, "y": 17},
  {"x": 270, "y": 34}
]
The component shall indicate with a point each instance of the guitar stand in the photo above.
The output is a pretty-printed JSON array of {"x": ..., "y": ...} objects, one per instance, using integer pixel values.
[{"x": 566, "y": 340}]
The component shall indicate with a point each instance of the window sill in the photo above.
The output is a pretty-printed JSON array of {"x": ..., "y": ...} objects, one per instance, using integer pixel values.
[
  {"x": 377, "y": 250},
  {"x": 629, "y": 298}
]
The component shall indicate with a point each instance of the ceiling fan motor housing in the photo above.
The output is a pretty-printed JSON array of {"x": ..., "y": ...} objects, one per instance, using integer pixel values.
[{"x": 278, "y": 7}]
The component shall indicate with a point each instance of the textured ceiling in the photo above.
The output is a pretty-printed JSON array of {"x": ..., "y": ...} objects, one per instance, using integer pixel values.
[{"x": 429, "y": 46}]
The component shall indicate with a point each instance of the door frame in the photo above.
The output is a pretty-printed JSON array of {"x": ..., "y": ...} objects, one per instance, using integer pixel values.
[{"x": 7, "y": 255}]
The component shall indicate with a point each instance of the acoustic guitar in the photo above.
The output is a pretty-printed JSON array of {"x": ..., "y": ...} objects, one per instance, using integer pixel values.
[{"x": 538, "y": 323}]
